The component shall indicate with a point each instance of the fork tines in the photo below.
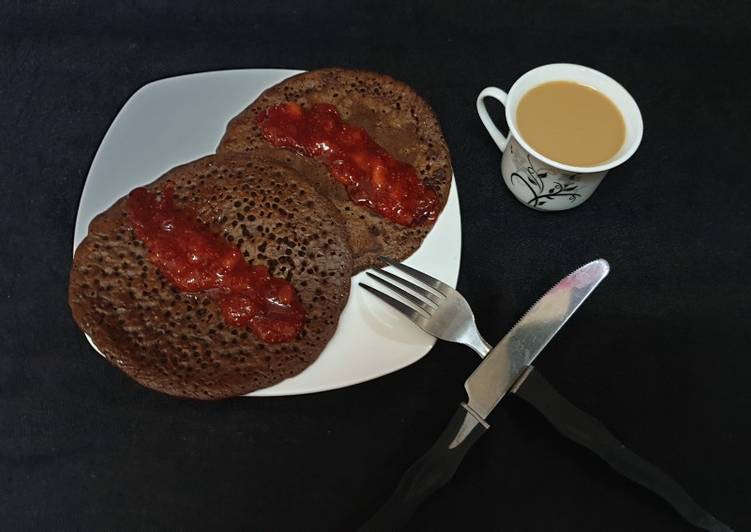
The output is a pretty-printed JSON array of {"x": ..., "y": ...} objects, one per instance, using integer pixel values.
[
  {"x": 428, "y": 300},
  {"x": 432, "y": 282}
]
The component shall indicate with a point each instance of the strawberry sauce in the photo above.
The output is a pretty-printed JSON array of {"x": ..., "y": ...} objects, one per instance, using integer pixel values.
[
  {"x": 196, "y": 261},
  {"x": 371, "y": 176}
]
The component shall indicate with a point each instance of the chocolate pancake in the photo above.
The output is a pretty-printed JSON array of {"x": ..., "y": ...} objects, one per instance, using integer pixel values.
[
  {"x": 394, "y": 116},
  {"x": 178, "y": 343}
]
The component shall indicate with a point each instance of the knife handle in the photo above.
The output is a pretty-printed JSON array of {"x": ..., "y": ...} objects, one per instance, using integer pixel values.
[
  {"x": 432, "y": 471},
  {"x": 587, "y": 431}
]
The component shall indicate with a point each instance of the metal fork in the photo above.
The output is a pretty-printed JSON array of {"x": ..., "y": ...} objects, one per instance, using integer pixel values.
[{"x": 443, "y": 312}]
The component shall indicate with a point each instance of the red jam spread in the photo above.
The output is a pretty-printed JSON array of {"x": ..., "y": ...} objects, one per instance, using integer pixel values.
[
  {"x": 372, "y": 177},
  {"x": 196, "y": 261}
]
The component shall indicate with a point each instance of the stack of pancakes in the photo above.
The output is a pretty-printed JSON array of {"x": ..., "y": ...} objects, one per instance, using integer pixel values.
[{"x": 282, "y": 210}]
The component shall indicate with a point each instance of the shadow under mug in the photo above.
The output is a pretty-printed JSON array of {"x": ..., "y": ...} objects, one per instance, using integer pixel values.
[{"x": 537, "y": 181}]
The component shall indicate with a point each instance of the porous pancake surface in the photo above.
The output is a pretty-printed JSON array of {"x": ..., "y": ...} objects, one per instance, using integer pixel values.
[
  {"x": 177, "y": 342},
  {"x": 394, "y": 115}
]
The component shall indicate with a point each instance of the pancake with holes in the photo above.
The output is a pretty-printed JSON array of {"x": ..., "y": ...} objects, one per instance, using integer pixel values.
[
  {"x": 393, "y": 116},
  {"x": 155, "y": 308}
]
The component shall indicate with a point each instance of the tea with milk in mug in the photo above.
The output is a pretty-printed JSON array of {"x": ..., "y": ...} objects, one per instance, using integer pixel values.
[{"x": 571, "y": 123}]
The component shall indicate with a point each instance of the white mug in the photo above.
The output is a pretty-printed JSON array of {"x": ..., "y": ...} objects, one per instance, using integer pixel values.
[{"x": 538, "y": 181}]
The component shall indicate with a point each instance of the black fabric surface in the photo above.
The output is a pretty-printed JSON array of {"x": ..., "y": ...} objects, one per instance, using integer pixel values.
[{"x": 659, "y": 353}]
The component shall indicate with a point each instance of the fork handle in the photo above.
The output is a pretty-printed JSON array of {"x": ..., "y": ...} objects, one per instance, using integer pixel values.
[
  {"x": 432, "y": 471},
  {"x": 587, "y": 431}
]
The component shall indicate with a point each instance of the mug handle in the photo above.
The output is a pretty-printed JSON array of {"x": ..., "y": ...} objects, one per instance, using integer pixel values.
[{"x": 493, "y": 92}]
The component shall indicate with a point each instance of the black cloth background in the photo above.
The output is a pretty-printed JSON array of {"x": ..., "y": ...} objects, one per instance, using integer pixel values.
[{"x": 659, "y": 353}]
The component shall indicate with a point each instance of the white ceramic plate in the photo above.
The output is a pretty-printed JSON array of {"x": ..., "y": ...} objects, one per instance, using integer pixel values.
[{"x": 175, "y": 120}]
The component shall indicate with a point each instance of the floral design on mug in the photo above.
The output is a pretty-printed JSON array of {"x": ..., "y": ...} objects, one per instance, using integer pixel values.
[{"x": 535, "y": 182}]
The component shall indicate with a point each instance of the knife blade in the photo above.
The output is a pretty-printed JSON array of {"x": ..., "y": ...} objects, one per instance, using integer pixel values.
[
  {"x": 506, "y": 364},
  {"x": 518, "y": 349}
]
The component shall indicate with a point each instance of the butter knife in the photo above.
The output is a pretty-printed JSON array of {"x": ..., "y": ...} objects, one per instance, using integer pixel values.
[{"x": 508, "y": 368}]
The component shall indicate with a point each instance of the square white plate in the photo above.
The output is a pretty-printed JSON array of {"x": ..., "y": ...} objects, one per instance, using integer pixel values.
[{"x": 175, "y": 120}]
